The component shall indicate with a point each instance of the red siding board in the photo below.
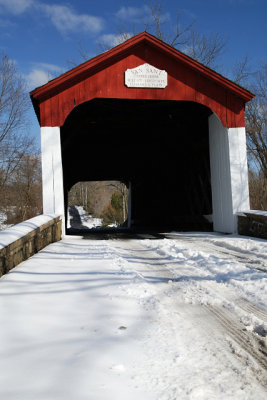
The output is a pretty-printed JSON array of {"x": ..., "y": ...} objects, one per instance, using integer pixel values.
[
  {"x": 45, "y": 114},
  {"x": 103, "y": 77}
]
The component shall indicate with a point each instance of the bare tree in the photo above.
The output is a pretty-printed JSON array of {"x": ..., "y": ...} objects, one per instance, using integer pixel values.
[
  {"x": 256, "y": 130},
  {"x": 203, "y": 48},
  {"x": 24, "y": 191},
  {"x": 15, "y": 142},
  {"x": 242, "y": 72},
  {"x": 86, "y": 194},
  {"x": 12, "y": 149},
  {"x": 206, "y": 49},
  {"x": 95, "y": 197},
  {"x": 121, "y": 188},
  {"x": 82, "y": 54},
  {"x": 14, "y": 102},
  {"x": 170, "y": 29},
  {"x": 257, "y": 191},
  {"x": 256, "y": 122},
  {"x": 177, "y": 34}
]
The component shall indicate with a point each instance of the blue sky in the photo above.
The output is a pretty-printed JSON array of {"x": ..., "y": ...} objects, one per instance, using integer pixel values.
[{"x": 42, "y": 35}]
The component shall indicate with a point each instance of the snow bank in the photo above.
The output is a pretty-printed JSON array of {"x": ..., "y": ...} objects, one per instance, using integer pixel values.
[
  {"x": 197, "y": 263},
  {"x": 16, "y": 232}
]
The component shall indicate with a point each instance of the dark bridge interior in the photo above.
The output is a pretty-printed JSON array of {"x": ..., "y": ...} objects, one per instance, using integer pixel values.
[{"x": 161, "y": 147}]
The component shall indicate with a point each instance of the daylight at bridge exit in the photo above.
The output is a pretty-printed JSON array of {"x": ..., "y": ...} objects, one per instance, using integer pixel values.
[{"x": 133, "y": 202}]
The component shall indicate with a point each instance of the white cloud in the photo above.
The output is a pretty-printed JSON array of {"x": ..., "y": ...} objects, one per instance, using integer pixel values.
[
  {"x": 15, "y": 6},
  {"x": 133, "y": 13},
  {"x": 65, "y": 19},
  {"x": 140, "y": 15},
  {"x": 111, "y": 40},
  {"x": 41, "y": 73},
  {"x": 52, "y": 68},
  {"x": 36, "y": 78}
]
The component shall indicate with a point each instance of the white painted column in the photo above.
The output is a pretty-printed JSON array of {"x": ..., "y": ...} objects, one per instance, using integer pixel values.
[
  {"x": 229, "y": 174},
  {"x": 52, "y": 174},
  {"x": 239, "y": 169}
]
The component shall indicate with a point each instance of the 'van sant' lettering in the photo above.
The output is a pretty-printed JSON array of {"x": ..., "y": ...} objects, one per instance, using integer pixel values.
[{"x": 146, "y": 76}]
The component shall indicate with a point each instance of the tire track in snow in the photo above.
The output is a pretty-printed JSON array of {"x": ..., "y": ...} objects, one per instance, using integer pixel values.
[
  {"x": 246, "y": 257},
  {"x": 251, "y": 308},
  {"x": 252, "y": 261},
  {"x": 248, "y": 344},
  {"x": 253, "y": 346}
]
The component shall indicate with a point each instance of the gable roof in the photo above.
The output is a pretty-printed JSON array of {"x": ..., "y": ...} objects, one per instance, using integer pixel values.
[{"x": 100, "y": 62}]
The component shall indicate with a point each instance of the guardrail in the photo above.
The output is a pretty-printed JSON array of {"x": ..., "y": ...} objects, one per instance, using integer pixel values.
[
  {"x": 23, "y": 240},
  {"x": 253, "y": 223}
]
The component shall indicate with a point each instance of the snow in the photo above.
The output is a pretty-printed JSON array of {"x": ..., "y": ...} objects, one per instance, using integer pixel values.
[
  {"x": 125, "y": 319},
  {"x": 3, "y": 224},
  {"x": 16, "y": 232},
  {"x": 79, "y": 219},
  {"x": 211, "y": 269},
  {"x": 255, "y": 212}
]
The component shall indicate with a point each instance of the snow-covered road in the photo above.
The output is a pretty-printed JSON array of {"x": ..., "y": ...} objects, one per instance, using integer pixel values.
[{"x": 179, "y": 318}]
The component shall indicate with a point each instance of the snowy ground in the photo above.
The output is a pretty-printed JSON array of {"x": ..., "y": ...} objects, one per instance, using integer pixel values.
[
  {"x": 78, "y": 219},
  {"x": 180, "y": 318},
  {"x": 3, "y": 224}
]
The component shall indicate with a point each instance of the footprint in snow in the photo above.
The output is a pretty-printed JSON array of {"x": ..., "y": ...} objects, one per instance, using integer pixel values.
[{"x": 122, "y": 328}]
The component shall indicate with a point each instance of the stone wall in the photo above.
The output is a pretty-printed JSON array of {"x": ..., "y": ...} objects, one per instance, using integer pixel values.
[
  {"x": 253, "y": 223},
  {"x": 18, "y": 250}
]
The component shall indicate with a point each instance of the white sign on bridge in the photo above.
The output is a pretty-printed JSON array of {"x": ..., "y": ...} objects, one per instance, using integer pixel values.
[{"x": 146, "y": 76}]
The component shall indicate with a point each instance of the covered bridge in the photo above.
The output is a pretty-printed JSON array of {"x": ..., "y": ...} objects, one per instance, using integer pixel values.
[{"x": 148, "y": 115}]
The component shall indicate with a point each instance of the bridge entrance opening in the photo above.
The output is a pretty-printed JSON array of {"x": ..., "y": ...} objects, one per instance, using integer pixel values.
[{"x": 161, "y": 147}]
